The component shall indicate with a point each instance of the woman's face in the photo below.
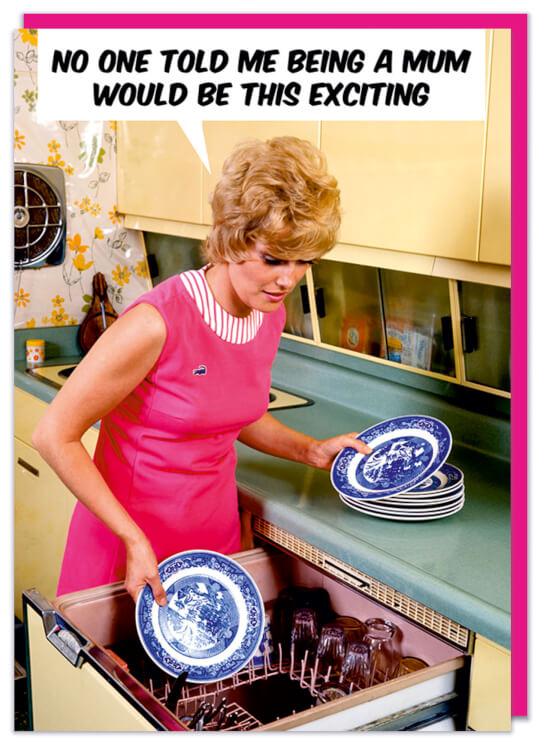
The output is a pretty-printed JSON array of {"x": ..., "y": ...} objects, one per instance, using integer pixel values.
[{"x": 263, "y": 281}]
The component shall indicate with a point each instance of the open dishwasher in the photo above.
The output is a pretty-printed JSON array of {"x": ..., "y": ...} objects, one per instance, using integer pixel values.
[{"x": 87, "y": 670}]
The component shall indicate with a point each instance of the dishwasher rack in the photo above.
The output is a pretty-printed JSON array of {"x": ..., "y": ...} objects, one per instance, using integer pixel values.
[{"x": 219, "y": 701}]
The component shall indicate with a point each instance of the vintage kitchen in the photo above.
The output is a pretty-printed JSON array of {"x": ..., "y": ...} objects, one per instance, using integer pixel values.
[{"x": 409, "y": 314}]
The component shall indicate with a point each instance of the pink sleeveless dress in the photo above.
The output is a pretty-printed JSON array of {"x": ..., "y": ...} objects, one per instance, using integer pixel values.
[{"x": 167, "y": 451}]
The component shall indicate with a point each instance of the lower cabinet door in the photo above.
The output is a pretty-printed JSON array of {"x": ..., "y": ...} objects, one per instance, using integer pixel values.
[
  {"x": 490, "y": 700},
  {"x": 43, "y": 509}
]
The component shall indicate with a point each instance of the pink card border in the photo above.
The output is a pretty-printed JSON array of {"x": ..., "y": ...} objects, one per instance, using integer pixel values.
[{"x": 518, "y": 25}]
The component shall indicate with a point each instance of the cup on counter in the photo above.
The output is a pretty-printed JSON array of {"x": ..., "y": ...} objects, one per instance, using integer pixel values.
[{"x": 35, "y": 353}]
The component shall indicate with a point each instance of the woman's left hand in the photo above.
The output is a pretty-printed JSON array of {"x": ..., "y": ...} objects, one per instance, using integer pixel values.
[{"x": 321, "y": 453}]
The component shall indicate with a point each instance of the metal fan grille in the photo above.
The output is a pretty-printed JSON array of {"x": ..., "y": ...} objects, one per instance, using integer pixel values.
[{"x": 38, "y": 218}]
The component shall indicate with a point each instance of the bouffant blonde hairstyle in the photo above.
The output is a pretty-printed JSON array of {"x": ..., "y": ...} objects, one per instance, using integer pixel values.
[{"x": 277, "y": 192}]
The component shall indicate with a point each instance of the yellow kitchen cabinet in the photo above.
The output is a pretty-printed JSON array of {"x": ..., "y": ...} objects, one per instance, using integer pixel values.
[
  {"x": 413, "y": 187},
  {"x": 490, "y": 691},
  {"x": 158, "y": 172},
  {"x": 496, "y": 226},
  {"x": 42, "y": 506},
  {"x": 222, "y": 137}
]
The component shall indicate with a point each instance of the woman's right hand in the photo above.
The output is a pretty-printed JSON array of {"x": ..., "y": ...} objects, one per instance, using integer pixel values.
[{"x": 142, "y": 569}]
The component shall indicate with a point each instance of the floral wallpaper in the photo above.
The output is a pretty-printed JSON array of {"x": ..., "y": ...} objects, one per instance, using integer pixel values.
[{"x": 96, "y": 240}]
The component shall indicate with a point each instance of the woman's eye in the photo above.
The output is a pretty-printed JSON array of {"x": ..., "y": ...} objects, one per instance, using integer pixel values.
[{"x": 271, "y": 261}]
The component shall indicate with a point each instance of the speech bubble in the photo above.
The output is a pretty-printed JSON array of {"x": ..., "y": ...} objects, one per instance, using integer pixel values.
[{"x": 193, "y": 76}]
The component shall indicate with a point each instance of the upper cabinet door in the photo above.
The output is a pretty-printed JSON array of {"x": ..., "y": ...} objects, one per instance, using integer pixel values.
[
  {"x": 222, "y": 137},
  {"x": 495, "y": 227},
  {"x": 408, "y": 186},
  {"x": 159, "y": 173}
]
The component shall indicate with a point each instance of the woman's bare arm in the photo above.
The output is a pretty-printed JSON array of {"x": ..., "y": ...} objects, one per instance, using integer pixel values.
[
  {"x": 271, "y": 436},
  {"x": 116, "y": 364}
]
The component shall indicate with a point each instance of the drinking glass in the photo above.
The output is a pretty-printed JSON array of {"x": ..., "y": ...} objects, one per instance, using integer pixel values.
[
  {"x": 380, "y": 639},
  {"x": 330, "y": 650},
  {"x": 303, "y": 636},
  {"x": 408, "y": 664},
  {"x": 354, "y": 628},
  {"x": 356, "y": 667}
]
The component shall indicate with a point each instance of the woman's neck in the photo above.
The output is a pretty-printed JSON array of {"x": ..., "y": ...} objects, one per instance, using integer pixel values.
[{"x": 219, "y": 282}]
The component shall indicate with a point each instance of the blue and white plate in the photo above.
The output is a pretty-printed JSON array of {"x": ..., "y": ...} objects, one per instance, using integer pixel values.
[
  {"x": 395, "y": 503},
  {"x": 406, "y": 451},
  {"x": 447, "y": 478},
  {"x": 392, "y": 515},
  {"x": 407, "y": 500},
  {"x": 213, "y": 622}
]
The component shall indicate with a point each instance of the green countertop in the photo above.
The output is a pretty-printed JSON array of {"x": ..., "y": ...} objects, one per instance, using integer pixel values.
[{"x": 458, "y": 566}]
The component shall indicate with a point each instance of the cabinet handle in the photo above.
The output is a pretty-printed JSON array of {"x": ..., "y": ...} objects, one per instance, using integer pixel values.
[
  {"x": 28, "y": 467},
  {"x": 469, "y": 333},
  {"x": 447, "y": 335},
  {"x": 305, "y": 299},
  {"x": 319, "y": 301}
]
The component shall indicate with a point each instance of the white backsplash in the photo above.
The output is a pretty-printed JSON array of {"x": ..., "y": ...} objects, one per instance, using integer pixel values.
[{"x": 96, "y": 239}]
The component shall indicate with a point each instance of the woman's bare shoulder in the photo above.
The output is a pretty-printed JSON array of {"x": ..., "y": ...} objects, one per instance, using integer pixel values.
[{"x": 143, "y": 324}]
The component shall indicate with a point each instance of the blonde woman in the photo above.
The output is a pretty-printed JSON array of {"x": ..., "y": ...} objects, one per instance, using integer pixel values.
[{"x": 184, "y": 372}]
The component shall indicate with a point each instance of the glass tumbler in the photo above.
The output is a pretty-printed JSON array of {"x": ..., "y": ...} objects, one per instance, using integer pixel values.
[
  {"x": 354, "y": 628},
  {"x": 380, "y": 639},
  {"x": 330, "y": 651},
  {"x": 303, "y": 638},
  {"x": 356, "y": 668}
]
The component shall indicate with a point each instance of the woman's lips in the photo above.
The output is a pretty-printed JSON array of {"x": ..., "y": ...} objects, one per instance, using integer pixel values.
[{"x": 275, "y": 296}]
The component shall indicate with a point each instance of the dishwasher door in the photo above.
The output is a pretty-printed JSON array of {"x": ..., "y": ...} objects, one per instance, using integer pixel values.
[{"x": 89, "y": 639}]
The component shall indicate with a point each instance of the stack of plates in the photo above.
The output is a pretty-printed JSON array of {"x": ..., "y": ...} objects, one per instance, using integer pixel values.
[{"x": 405, "y": 478}]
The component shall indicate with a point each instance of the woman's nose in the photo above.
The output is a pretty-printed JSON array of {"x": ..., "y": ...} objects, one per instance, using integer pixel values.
[{"x": 290, "y": 274}]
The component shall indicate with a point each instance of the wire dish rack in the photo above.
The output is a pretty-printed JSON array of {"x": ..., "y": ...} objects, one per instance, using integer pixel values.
[{"x": 256, "y": 695}]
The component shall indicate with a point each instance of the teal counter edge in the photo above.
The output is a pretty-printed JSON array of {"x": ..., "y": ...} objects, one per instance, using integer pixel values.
[{"x": 476, "y": 615}]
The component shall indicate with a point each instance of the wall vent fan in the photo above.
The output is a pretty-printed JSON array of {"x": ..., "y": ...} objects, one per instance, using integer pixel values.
[{"x": 39, "y": 215}]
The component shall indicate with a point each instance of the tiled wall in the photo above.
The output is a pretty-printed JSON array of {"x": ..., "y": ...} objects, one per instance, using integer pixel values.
[{"x": 96, "y": 240}]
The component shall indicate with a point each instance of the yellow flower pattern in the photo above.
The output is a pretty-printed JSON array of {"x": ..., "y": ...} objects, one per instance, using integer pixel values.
[
  {"x": 121, "y": 275},
  {"x": 22, "y": 298},
  {"x": 86, "y": 206},
  {"x": 75, "y": 244},
  {"x": 19, "y": 140},
  {"x": 115, "y": 216},
  {"x": 56, "y": 161},
  {"x": 29, "y": 36},
  {"x": 141, "y": 269},
  {"x": 80, "y": 263},
  {"x": 98, "y": 233},
  {"x": 31, "y": 323},
  {"x": 58, "y": 317}
]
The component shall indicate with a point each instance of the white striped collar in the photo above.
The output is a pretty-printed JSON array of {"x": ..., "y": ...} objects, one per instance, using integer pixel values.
[{"x": 228, "y": 327}]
